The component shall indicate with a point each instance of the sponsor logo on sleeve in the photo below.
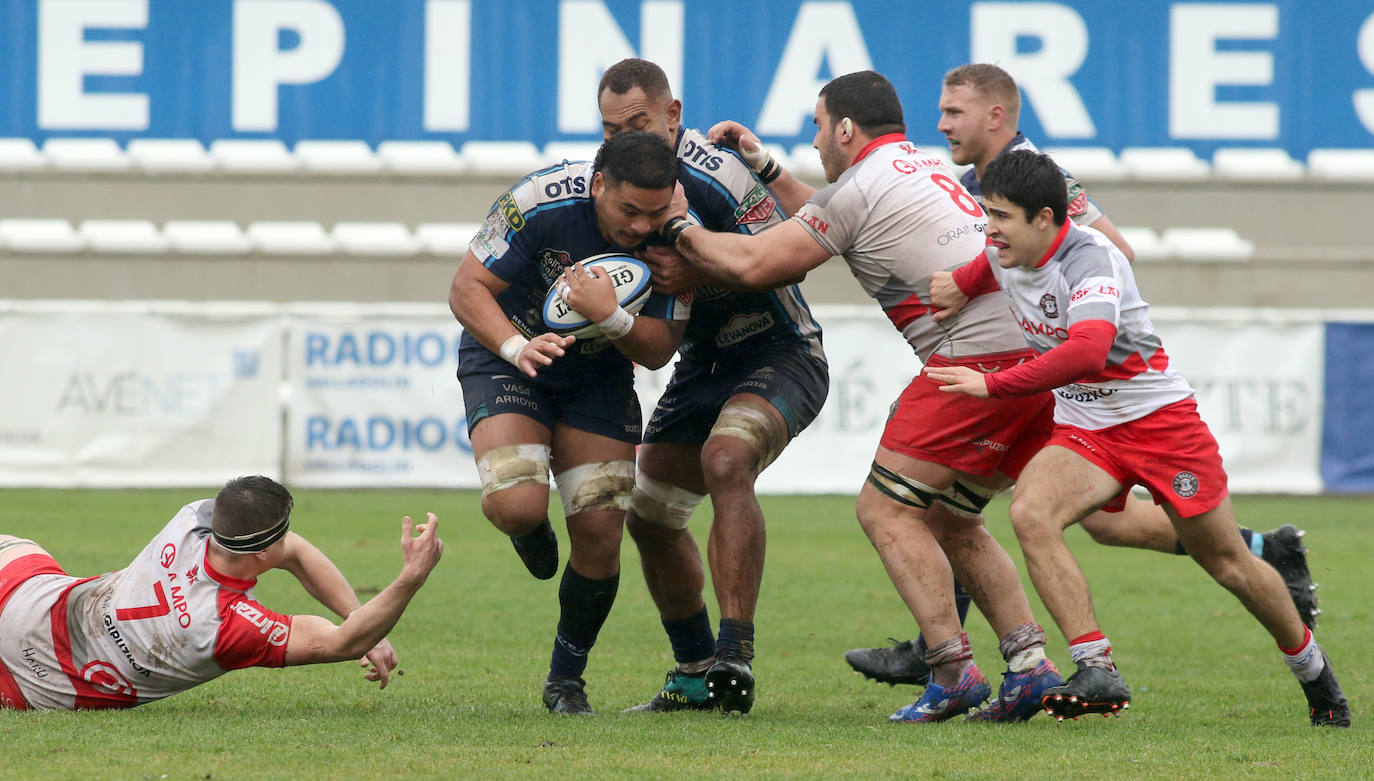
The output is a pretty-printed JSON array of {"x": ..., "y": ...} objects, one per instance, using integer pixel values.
[
  {"x": 511, "y": 212},
  {"x": 757, "y": 206},
  {"x": 1078, "y": 199},
  {"x": 821, "y": 226},
  {"x": 274, "y": 630}
]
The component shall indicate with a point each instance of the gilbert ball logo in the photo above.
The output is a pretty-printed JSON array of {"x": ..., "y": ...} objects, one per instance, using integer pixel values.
[{"x": 1185, "y": 485}]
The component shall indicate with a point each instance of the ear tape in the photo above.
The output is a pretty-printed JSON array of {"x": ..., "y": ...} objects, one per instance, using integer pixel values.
[{"x": 847, "y": 126}]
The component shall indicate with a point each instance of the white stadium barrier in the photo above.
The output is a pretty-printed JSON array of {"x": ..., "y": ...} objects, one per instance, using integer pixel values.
[
  {"x": 1088, "y": 163},
  {"x": 385, "y": 239},
  {"x": 123, "y": 237},
  {"x": 420, "y": 158},
  {"x": 1164, "y": 164},
  {"x": 446, "y": 239},
  {"x": 1341, "y": 165},
  {"x": 557, "y": 151},
  {"x": 86, "y": 155},
  {"x": 170, "y": 156},
  {"x": 1146, "y": 244},
  {"x": 20, "y": 154},
  {"x": 207, "y": 237},
  {"x": 1256, "y": 165},
  {"x": 337, "y": 157},
  {"x": 42, "y": 236},
  {"x": 1207, "y": 244},
  {"x": 502, "y": 158},
  {"x": 291, "y": 238},
  {"x": 253, "y": 156}
]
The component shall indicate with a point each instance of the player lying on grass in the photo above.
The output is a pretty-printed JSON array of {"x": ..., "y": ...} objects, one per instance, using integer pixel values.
[
  {"x": 1123, "y": 417},
  {"x": 182, "y": 612}
]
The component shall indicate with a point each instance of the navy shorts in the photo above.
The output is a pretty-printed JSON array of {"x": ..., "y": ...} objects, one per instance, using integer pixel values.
[
  {"x": 599, "y": 404},
  {"x": 791, "y": 380}
]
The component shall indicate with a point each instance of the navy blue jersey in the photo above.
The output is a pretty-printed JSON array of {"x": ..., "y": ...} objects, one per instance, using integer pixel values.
[
  {"x": 1082, "y": 209},
  {"x": 544, "y": 224},
  {"x": 724, "y": 195}
]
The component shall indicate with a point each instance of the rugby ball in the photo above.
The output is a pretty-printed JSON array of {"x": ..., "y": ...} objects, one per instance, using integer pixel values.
[{"x": 629, "y": 276}]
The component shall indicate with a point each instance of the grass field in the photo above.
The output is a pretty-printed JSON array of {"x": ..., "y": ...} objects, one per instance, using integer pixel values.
[{"x": 1211, "y": 696}]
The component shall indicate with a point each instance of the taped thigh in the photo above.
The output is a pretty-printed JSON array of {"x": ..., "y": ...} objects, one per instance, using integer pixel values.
[
  {"x": 900, "y": 488},
  {"x": 966, "y": 499},
  {"x": 663, "y": 504},
  {"x": 511, "y": 465},
  {"x": 599, "y": 485},
  {"x": 755, "y": 426}
]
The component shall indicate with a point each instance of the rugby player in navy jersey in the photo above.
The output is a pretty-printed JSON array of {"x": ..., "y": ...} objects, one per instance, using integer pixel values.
[
  {"x": 752, "y": 375},
  {"x": 538, "y": 401}
]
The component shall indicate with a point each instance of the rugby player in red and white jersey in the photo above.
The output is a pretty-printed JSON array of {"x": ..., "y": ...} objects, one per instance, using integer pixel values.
[
  {"x": 1124, "y": 416},
  {"x": 897, "y": 214},
  {"x": 980, "y": 107},
  {"x": 183, "y": 613}
]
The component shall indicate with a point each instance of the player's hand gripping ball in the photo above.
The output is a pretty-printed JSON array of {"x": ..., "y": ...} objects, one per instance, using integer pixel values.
[{"x": 630, "y": 278}]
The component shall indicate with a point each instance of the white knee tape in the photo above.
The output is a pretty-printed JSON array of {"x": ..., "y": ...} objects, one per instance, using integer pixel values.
[
  {"x": 600, "y": 485},
  {"x": 966, "y": 499},
  {"x": 663, "y": 504},
  {"x": 506, "y": 467},
  {"x": 755, "y": 426}
]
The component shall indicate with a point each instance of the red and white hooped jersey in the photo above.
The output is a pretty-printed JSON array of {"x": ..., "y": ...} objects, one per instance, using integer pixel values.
[
  {"x": 163, "y": 624},
  {"x": 1082, "y": 277},
  {"x": 897, "y": 216}
]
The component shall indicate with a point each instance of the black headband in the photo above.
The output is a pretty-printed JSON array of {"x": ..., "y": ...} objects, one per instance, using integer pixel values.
[{"x": 255, "y": 542}]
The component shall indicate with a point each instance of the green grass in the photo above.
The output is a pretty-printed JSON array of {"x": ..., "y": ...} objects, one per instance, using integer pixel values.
[{"x": 1212, "y": 697}]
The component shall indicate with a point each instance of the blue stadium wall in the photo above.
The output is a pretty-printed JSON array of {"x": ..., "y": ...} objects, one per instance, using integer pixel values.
[{"x": 1114, "y": 73}]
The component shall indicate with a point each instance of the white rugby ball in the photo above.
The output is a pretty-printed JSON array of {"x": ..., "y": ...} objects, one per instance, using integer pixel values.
[{"x": 629, "y": 276}]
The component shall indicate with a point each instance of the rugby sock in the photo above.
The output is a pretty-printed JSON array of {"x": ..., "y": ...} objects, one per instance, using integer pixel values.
[
  {"x": 1306, "y": 661},
  {"x": 584, "y": 604},
  {"x": 736, "y": 639},
  {"x": 1023, "y": 647},
  {"x": 949, "y": 659},
  {"x": 1253, "y": 540},
  {"x": 692, "y": 641},
  {"x": 1092, "y": 649},
  {"x": 961, "y": 601}
]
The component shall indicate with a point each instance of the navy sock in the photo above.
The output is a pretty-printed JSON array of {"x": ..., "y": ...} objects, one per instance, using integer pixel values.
[
  {"x": 584, "y": 604},
  {"x": 691, "y": 637},
  {"x": 736, "y": 639},
  {"x": 962, "y": 601}
]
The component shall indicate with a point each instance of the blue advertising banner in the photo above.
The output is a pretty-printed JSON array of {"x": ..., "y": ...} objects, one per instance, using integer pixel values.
[
  {"x": 1115, "y": 73},
  {"x": 1348, "y": 423}
]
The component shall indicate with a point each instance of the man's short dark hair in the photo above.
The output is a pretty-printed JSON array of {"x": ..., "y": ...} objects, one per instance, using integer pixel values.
[
  {"x": 251, "y": 513},
  {"x": 868, "y": 99},
  {"x": 637, "y": 157},
  {"x": 1030, "y": 180},
  {"x": 625, "y": 75}
]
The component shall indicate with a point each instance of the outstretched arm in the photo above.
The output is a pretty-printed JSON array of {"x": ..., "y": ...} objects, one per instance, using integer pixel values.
[
  {"x": 790, "y": 191},
  {"x": 779, "y": 255},
  {"x": 315, "y": 639}
]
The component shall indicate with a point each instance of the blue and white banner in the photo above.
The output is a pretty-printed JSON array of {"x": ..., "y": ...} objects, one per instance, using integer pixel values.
[{"x": 1115, "y": 73}]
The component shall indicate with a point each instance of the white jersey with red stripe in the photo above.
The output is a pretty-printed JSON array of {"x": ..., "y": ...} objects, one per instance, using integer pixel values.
[
  {"x": 161, "y": 625},
  {"x": 897, "y": 216},
  {"x": 1082, "y": 277}
]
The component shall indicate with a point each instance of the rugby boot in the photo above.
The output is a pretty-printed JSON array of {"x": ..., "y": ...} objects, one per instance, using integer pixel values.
[
  {"x": 539, "y": 550},
  {"x": 898, "y": 663},
  {"x": 681, "y": 691},
  {"x": 1090, "y": 690},
  {"x": 1018, "y": 699},
  {"x": 1325, "y": 701},
  {"x": 730, "y": 685},
  {"x": 939, "y": 703},
  {"x": 1284, "y": 551},
  {"x": 567, "y": 695}
]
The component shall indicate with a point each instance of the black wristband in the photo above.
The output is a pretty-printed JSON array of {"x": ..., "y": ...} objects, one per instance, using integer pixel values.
[
  {"x": 771, "y": 171},
  {"x": 673, "y": 228}
]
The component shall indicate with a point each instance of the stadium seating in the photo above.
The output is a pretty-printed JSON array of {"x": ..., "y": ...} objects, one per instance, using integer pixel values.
[
  {"x": 1088, "y": 163},
  {"x": 85, "y": 154},
  {"x": 42, "y": 236},
  {"x": 337, "y": 157},
  {"x": 123, "y": 237},
  {"x": 1341, "y": 165},
  {"x": 502, "y": 158},
  {"x": 385, "y": 239},
  {"x": 1256, "y": 165},
  {"x": 420, "y": 158},
  {"x": 1207, "y": 244},
  {"x": 20, "y": 154},
  {"x": 170, "y": 156},
  {"x": 206, "y": 237},
  {"x": 253, "y": 156},
  {"x": 291, "y": 238},
  {"x": 1164, "y": 164}
]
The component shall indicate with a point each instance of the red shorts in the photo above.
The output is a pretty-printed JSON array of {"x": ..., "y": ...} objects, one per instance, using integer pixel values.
[
  {"x": 11, "y": 576},
  {"x": 1169, "y": 451},
  {"x": 975, "y": 436}
]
